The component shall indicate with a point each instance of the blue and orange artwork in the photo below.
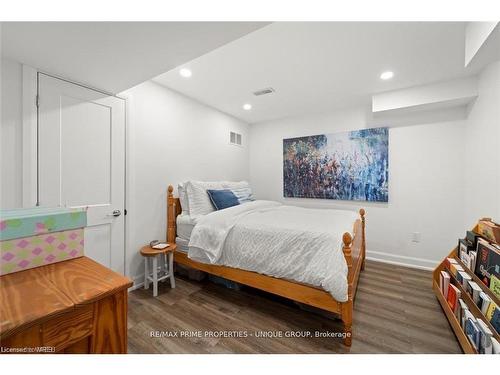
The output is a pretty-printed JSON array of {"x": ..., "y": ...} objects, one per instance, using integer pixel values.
[{"x": 345, "y": 166}]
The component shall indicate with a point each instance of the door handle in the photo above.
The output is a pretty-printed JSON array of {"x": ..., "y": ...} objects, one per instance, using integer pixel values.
[{"x": 115, "y": 213}]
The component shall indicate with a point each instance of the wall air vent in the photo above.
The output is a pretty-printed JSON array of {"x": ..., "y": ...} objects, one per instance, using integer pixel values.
[
  {"x": 266, "y": 91},
  {"x": 235, "y": 138}
]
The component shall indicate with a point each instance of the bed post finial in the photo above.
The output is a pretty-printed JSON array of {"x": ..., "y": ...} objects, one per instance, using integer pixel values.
[
  {"x": 363, "y": 244},
  {"x": 347, "y": 239},
  {"x": 347, "y": 306},
  {"x": 171, "y": 209},
  {"x": 346, "y": 249}
]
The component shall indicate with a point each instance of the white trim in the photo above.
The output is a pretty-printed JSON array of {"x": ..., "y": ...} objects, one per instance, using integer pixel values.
[
  {"x": 130, "y": 250},
  {"x": 126, "y": 236},
  {"x": 104, "y": 92},
  {"x": 136, "y": 286},
  {"x": 138, "y": 282},
  {"x": 400, "y": 260},
  {"x": 29, "y": 142}
]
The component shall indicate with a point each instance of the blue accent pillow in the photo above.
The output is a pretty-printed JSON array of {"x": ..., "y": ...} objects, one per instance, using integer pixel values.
[{"x": 223, "y": 198}]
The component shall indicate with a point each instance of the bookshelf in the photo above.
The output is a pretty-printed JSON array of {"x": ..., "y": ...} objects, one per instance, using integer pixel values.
[{"x": 466, "y": 345}]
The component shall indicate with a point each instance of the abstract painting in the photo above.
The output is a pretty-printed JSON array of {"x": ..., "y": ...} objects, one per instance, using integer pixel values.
[{"x": 346, "y": 166}]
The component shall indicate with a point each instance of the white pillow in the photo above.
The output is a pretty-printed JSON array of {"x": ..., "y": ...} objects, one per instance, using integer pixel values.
[
  {"x": 241, "y": 189},
  {"x": 199, "y": 201},
  {"x": 235, "y": 184},
  {"x": 181, "y": 189}
]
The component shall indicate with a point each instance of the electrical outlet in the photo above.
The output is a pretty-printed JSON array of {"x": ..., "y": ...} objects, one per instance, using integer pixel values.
[{"x": 416, "y": 237}]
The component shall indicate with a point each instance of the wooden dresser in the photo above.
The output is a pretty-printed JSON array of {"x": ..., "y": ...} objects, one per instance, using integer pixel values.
[{"x": 75, "y": 306}]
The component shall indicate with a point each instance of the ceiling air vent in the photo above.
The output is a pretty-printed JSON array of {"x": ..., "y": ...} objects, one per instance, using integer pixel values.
[
  {"x": 269, "y": 90},
  {"x": 235, "y": 138}
]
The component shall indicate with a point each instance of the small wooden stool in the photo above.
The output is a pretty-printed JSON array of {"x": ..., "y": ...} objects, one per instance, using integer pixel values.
[{"x": 166, "y": 268}]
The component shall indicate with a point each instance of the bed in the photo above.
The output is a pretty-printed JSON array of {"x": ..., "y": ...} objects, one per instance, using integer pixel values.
[{"x": 219, "y": 243}]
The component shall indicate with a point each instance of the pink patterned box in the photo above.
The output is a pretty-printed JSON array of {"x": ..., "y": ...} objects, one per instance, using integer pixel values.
[
  {"x": 33, "y": 237},
  {"x": 29, "y": 252}
]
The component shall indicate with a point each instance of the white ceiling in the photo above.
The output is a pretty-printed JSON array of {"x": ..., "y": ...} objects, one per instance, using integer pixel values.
[
  {"x": 315, "y": 67},
  {"x": 114, "y": 56}
]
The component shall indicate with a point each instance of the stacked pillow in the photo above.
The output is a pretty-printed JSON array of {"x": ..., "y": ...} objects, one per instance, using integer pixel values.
[
  {"x": 181, "y": 188},
  {"x": 241, "y": 190},
  {"x": 195, "y": 200},
  {"x": 198, "y": 199},
  {"x": 221, "y": 199}
]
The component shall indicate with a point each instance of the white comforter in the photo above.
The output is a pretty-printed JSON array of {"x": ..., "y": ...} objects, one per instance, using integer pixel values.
[{"x": 289, "y": 242}]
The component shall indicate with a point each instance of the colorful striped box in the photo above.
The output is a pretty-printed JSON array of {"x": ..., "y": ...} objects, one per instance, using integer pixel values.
[{"x": 35, "y": 237}]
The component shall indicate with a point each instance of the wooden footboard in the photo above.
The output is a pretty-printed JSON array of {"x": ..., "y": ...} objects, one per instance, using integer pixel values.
[
  {"x": 354, "y": 248},
  {"x": 354, "y": 252}
]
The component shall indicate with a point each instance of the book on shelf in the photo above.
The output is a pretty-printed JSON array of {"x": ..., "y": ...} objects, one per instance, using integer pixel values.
[
  {"x": 467, "y": 253},
  {"x": 453, "y": 297},
  {"x": 488, "y": 229},
  {"x": 493, "y": 316},
  {"x": 472, "y": 237},
  {"x": 468, "y": 288},
  {"x": 465, "y": 258},
  {"x": 488, "y": 261},
  {"x": 484, "y": 302},
  {"x": 495, "y": 345},
  {"x": 474, "y": 291},
  {"x": 464, "y": 246},
  {"x": 463, "y": 278},
  {"x": 485, "y": 335},
  {"x": 449, "y": 261},
  {"x": 455, "y": 268},
  {"x": 463, "y": 309},
  {"x": 472, "y": 260},
  {"x": 491, "y": 310},
  {"x": 472, "y": 331},
  {"x": 495, "y": 319},
  {"x": 444, "y": 282},
  {"x": 468, "y": 315},
  {"x": 495, "y": 285},
  {"x": 458, "y": 309}
]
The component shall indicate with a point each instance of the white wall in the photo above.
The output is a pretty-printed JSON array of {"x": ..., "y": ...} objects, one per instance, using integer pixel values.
[
  {"x": 481, "y": 173},
  {"x": 476, "y": 35},
  {"x": 171, "y": 139},
  {"x": 11, "y": 135},
  {"x": 425, "y": 180}
]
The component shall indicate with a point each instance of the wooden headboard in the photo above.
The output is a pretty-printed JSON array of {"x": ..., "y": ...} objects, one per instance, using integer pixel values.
[{"x": 173, "y": 209}]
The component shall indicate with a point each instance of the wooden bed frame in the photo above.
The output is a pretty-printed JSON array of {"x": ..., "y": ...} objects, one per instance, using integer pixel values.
[{"x": 354, "y": 249}]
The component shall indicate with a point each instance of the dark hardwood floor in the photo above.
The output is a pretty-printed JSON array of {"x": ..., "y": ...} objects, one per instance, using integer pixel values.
[{"x": 395, "y": 312}]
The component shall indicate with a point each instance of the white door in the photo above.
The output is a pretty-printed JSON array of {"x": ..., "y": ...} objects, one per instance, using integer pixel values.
[{"x": 81, "y": 162}]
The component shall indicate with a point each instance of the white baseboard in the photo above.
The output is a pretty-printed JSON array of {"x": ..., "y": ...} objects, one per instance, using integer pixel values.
[
  {"x": 138, "y": 283},
  {"x": 400, "y": 260}
]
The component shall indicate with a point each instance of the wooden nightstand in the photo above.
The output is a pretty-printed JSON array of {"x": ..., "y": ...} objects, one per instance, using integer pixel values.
[{"x": 166, "y": 268}]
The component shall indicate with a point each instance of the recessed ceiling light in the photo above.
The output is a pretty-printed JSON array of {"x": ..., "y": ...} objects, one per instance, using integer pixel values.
[
  {"x": 386, "y": 75},
  {"x": 247, "y": 107},
  {"x": 186, "y": 73}
]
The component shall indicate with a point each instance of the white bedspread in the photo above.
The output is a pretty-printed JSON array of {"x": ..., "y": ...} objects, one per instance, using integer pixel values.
[{"x": 289, "y": 242}]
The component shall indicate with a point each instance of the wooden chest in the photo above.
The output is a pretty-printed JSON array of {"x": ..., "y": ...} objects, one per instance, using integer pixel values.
[{"x": 75, "y": 306}]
